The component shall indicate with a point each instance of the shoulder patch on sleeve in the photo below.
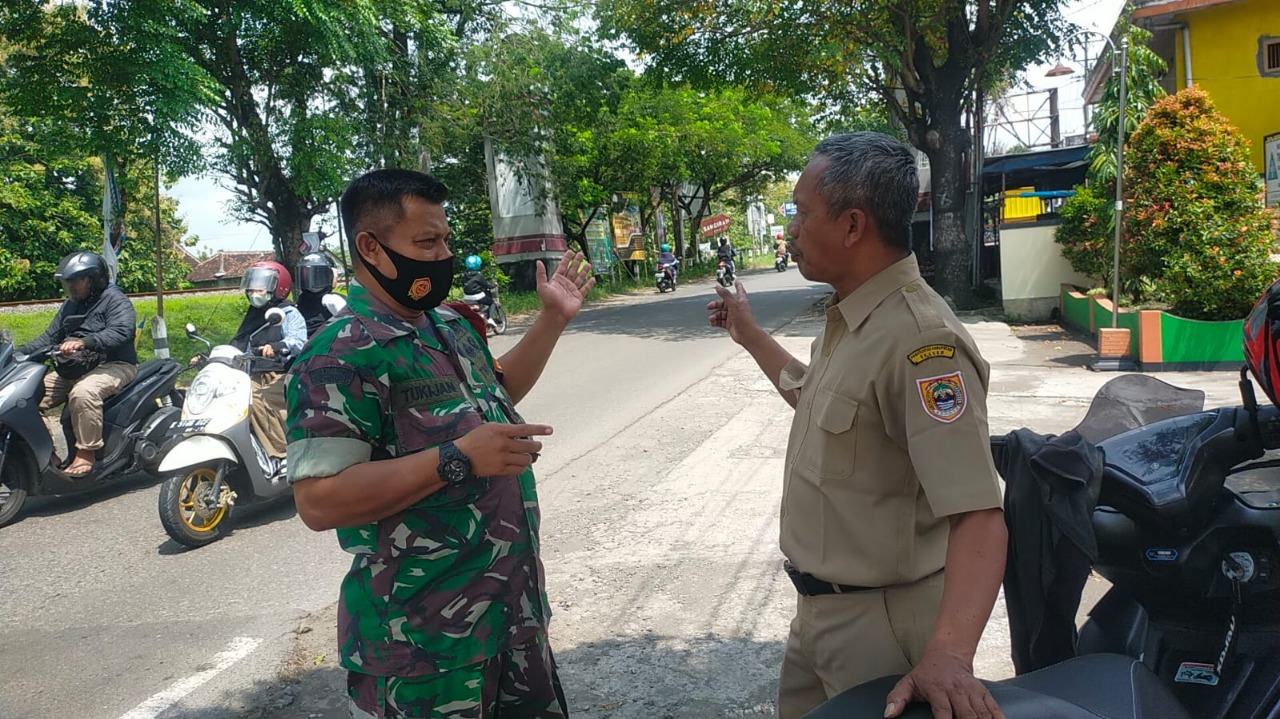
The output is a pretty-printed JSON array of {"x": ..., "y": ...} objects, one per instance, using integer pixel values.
[
  {"x": 932, "y": 351},
  {"x": 944, "y": 397},
  {"x": 340, "y": 376}
]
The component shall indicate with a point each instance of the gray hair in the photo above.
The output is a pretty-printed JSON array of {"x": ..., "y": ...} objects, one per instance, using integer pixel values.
[{"x": 875, "y": 173}]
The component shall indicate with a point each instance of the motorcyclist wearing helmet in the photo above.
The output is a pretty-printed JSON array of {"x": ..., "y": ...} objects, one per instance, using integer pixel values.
[
  {"x": 314, "y": 291},
  {"x": 475, "y": 286},
  {"x": 667, "y": 259},
  {"x": 92, "y": 338},
  {"x": 267, "y": 285},
  {"x": 725, "y": 253}
]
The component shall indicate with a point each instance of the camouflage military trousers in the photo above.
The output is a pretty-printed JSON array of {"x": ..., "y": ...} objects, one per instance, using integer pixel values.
[{"x": 520, "y": 683}]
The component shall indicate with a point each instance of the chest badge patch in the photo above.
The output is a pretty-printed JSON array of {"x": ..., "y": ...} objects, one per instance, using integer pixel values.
[
  {"x": 944, "y": 397},
  {"x": 932, "y": 351}
]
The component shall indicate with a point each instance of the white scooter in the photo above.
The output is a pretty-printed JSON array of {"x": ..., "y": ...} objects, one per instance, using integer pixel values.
[{"x": 212, "y": 457}]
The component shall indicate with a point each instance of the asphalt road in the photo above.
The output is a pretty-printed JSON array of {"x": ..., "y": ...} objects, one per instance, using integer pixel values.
[{"x": 102, "y": 617}]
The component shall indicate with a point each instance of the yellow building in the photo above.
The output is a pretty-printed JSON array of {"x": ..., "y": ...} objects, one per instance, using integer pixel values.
[{"x": 1230, "y": 48}]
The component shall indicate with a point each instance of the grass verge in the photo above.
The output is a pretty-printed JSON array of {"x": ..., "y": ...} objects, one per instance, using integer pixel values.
[{"x": 216, "y": 317}]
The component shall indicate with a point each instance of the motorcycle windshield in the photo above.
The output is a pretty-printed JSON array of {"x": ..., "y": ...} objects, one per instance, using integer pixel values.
[{"x": 1131, "y": 401}]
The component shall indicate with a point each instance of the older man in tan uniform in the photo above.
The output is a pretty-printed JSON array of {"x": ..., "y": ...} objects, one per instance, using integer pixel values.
[{"x": 891, "y": 521}]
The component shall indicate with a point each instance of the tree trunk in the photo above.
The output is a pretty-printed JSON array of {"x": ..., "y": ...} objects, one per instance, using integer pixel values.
[
  {"x": 291, "y": 220},
  {"x": 952, "y": 250}
]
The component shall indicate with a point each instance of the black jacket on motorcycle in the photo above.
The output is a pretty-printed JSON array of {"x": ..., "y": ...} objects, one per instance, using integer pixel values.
[
  {"x": 1051, "y": 489},
  {"x": 108, "y": 327},
  {"x": 474, "y": 283}
]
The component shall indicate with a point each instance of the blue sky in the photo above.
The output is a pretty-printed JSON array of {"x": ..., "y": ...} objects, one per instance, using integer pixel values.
[{"x": 203, "y": 203}]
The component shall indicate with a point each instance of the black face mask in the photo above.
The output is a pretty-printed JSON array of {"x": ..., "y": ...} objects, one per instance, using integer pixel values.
[{"x": 419, "y": 284}]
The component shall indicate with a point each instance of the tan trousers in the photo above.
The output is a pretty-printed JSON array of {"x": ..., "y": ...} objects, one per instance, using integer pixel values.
[
  {"x": 268, "y": 412},
  {"x": 84, "y": 399},
  {"x": 838, "y": 641}
]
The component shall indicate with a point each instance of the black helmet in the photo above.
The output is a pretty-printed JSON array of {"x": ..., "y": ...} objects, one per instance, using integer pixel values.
[
  {"x": 84, "y": 264},
  {"x": 314, "y": 273}
]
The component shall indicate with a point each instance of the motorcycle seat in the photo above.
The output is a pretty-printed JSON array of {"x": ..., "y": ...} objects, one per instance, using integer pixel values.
[
  {"x": 1094, "y": 686},
  {"x": 146, "y": 370}
]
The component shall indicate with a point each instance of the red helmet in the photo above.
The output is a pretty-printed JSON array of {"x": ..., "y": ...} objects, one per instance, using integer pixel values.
[
  {"x": 1261, "y": 334},
  {"x": 269, "y": 276}
]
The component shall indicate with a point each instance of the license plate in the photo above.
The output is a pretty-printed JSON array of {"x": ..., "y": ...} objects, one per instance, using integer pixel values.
[{"x": 188, "y": 425}]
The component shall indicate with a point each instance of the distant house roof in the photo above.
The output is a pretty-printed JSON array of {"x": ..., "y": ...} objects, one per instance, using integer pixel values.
[
  {"x": 1156, "y": 8},
  {"x": 191, "y": 260},
  {"x": 227, "y": 265}
]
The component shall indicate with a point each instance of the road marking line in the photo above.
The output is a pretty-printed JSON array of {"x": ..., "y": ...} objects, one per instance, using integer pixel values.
[{"x": 239, "y": 648}]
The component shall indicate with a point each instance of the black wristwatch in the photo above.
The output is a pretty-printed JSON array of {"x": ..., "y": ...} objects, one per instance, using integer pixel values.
[{"x": 454, "y": 466}]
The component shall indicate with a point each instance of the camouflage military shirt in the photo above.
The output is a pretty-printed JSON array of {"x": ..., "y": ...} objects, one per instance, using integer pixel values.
[{"x": 456, "y": 578}]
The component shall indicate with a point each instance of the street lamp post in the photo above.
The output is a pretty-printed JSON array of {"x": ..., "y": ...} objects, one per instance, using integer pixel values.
[
  {"x": 1115, "y": 270},
  {"x": 1123, "y": 67}
]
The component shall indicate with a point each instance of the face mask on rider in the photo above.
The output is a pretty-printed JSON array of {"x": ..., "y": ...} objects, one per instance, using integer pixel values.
[
  {"x": 419, "y": 284},
  {"x": 259, "y": 299}
]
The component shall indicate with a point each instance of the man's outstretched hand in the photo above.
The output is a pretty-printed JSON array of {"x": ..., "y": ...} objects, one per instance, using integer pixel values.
[
  {"x": 732, "y": 312},
  {"x": 563, "y": 293},
  {"x": 948, "y": 684}
]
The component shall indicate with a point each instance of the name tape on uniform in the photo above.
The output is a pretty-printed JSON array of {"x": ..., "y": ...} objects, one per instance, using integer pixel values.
[{"x": 930, "y": 352}]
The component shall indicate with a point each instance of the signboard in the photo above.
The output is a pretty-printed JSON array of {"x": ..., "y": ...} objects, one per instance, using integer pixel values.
[
  {"x": 597, "y": 234},
  {"x": 776, "y": 231},
  {"x": 789, "y": 209},
  {"x": 1271, "y": 160},
  {"x": 715, "y": 225},
  {"x": 310, "y": 242},
  {"x": 626, "y": 224}
]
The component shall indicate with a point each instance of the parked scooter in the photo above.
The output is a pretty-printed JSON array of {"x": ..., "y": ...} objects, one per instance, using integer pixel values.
[
  {"x": 665, "y": 278},
  {"x": 1188, "y": 533},
  {"x": 494, "y": 315},
  {"x": 212, "y": 458},
  {"x": 724, "y": 274},
  {"x": 134, "y": 424}
]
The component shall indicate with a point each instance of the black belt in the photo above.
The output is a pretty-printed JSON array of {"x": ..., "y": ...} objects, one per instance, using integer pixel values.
[{"x": 808, "y": 585}]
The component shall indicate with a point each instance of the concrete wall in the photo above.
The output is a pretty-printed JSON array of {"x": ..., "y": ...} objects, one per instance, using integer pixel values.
[
  {"x": 1224, "y": 63},
  {"x": 1033, "y": 270}
]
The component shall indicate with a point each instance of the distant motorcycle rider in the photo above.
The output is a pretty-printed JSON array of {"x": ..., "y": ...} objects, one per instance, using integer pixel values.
[
  {"x": 667, "y": 259},
  {"x": 267, "y": 285},
  {"x": 475, "y": 286},
  {"x": 95, "y": 357},
  {"x": 726, "y": 254},
  {"x": 314, "y": 291}
]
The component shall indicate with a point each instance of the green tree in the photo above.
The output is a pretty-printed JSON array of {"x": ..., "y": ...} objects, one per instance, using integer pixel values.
[
  {"x": 1195, "y": 220},
  {"x": 303, "y": 94},
  {"x": 50, "y": 206},
  {"x": 1087, "y": 233},
  {"x": 923, "y": 59}
]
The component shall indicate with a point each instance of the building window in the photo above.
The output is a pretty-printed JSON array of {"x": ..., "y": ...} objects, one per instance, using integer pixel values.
[{"x": 1269, "y": 56}]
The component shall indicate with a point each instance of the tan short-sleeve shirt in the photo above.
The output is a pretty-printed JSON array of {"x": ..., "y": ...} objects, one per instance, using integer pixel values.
[{"x": 889, "y": 438}]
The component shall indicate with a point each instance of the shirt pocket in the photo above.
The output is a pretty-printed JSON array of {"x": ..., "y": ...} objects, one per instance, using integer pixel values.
[{"x": 830, "y": 445}]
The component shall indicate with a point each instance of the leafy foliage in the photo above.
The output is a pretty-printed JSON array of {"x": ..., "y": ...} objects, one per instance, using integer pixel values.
[
  {"x": 923, "y": 59},
  {"x": 1195, "y": 221},
  {"x": 1087, "y": 232},
  {"x": 1084, "y": 235}
]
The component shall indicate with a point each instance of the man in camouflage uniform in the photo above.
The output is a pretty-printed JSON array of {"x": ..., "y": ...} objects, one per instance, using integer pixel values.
[{"x": 404, "y": 438}]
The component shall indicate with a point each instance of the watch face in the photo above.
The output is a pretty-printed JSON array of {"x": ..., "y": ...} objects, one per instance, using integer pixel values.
[{"x": 455, "y": 470}]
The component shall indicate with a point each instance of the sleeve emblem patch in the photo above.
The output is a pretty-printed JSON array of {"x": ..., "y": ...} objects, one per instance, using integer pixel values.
[
  {"x": 944, "y": 397},
  {"x": 930, "y": 352}
]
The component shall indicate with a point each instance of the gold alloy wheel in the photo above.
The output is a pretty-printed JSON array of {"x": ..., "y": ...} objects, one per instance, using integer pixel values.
[{"x": 192, "y": 501}]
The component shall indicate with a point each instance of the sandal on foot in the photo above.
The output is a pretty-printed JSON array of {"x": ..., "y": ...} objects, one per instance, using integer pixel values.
[{"x": 78, "y": 469}]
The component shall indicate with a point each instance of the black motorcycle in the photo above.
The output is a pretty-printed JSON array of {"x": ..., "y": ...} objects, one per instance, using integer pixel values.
[
  {"x": 780, "y": 262},
  {"x": 1187, "y": 526},
  {"x": 134, "y": 424}
]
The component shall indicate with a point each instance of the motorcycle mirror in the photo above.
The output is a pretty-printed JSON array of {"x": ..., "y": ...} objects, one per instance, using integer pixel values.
[
  {"x": 191, "y": 330},
  {"x": 275, "y": 316}
]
